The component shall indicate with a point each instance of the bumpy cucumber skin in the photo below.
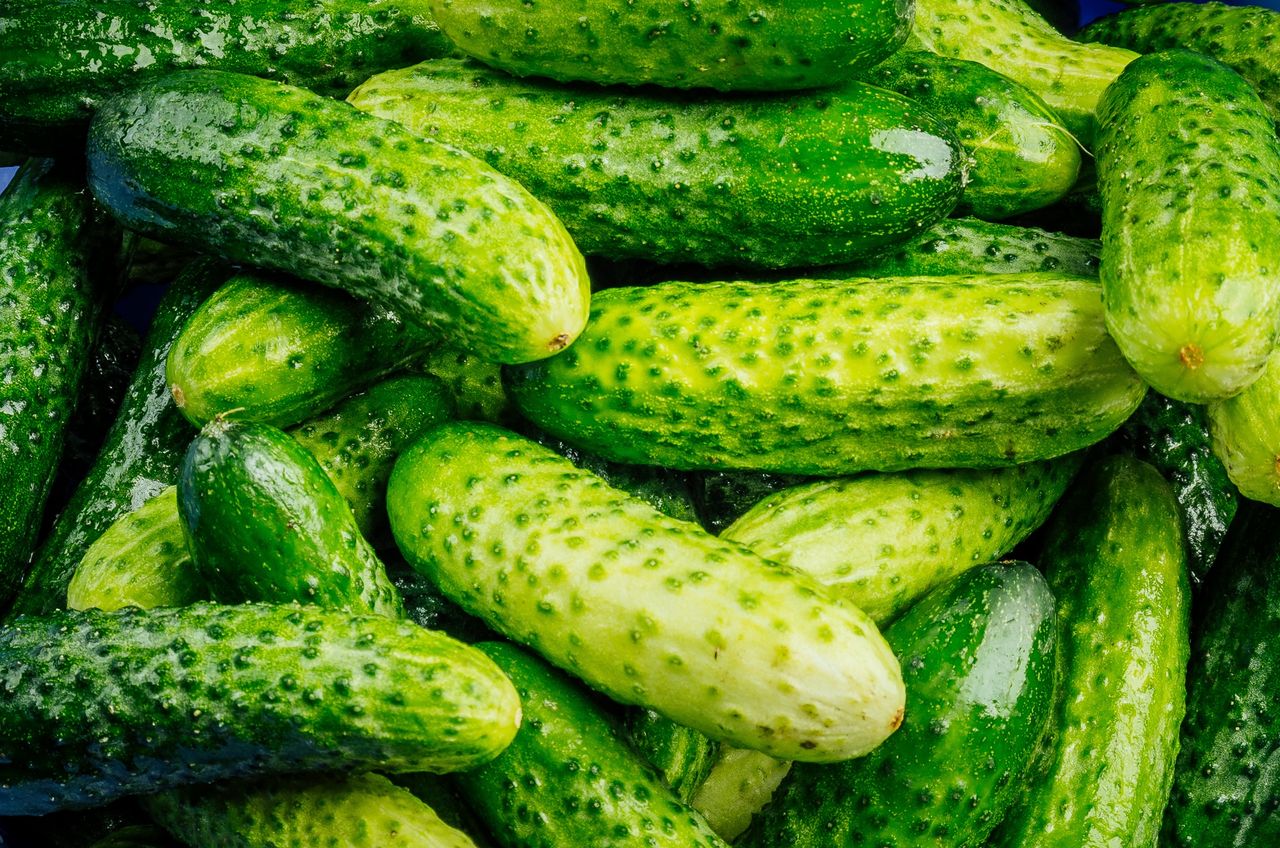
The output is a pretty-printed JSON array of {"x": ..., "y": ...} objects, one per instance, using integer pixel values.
[
  {"x": 1115, "y": 562},
  {"x": 141, "y": 456},
  {"x": 1246, "y": 436},
  {"x": 1227, "y": 781},
  {"x": 740, "y": 784},
  {"x": 355, "y": 202},
  {"x": 1020, "y": 159},
  {"x": 1009, "y": 37},
  {"x": 722, "y": 497},
  {"x": 1241, "y": 37},
  {"x": 682, "y": 756},
  {"x": 280, "y": 352},
  {"x": 569, "y": 779},
  {"x": 1187, "y": 165},
  {"x": 767, "y": 181},
  {"x": 978, "y": 660},
  {"x": 650, "y": 610},
  {"x": 476, "y": 385},
  {"x": 834, "y": 377},
  {"x": 769, "y": 45},
  {"x": 882, "y": 541},
  {"x": 265, "y": 523},
  {"x": 60, "y": 61},
  {"x": 140, "y": 701}
]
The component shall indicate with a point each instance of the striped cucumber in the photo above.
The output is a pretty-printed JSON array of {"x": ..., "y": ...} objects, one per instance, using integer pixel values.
[{"x": 1246, "y": 436}]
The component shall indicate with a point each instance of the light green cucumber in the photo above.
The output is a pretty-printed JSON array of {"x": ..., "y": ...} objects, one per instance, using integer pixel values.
[
  {"x": 1246, "y": 436},
  {"x": 738, "y": 787}
]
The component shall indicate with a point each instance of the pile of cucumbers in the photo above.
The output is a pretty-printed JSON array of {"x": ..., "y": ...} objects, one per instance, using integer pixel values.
[{"x": 639, "y": 424}]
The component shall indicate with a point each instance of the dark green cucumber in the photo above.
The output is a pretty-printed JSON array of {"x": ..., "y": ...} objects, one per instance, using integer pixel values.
[
  {"x": 139, "y": 701},
  {"x": 722, "y": 497},
  {"x": 978, "y": 660},
  {"x": 833, "y": 377},
  {"x": 352, "y": 202},
  {"x": 568, "y": 779},
  {"x": 769, "y": 181},
  {"x": 265, "y": 523},
  {"x": 682, "y": 756},
  {"x": 1227, "y": 778},
  {"x": 140, "y": 458},
  {"x": 652, "y": 611},
  {"x": 768, "y": 45},
  {"x": 1189, "y": 174},
  {"x": 476, "y": 385},
  {"x": 1241, "y": 37},
  {"x": 1115, "y": 562},
  {"x": 1020, "y": 159},
  {"x": 1246, "y": 436}
]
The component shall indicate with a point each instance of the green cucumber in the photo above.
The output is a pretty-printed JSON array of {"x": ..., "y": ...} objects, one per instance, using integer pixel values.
[
  {"x": 1225, "y": 783},
  {"x": 265, "y": 523},
  {"x": 833, "y": 377},
  {"x": 652, "y": 611},
  {"x": 141, "y": 455},
  {"x": 1241, "y": 37},
  {"x": 1020, "y": 159},
  {"x": 568, "y": 779},
  {"x": 353, "y": 202},
  {"x": 881, "y": 541},
  {"x": 978, "y": 660},
  {"x": 682, "y": 756},
  {"x": 60, "y": 61},
  {"x": 1115, "y": 562},
  {"x": 722, "y": 497},
  {"x": 475, "y": 385},
  {"x": 139, "y": 701},
  {"x": 769, "y": 181},
  {"x": 1246, "y": 436},
  {"x": 1189, "y": 174},
  {"x": 768, "y": 45},
  {"x": 1009, "y": 37},
  {"x": 738, "y": 787}
]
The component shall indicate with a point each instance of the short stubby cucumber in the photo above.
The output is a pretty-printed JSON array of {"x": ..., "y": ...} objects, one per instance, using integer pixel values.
[
  {"x": 682, "y": 756},
  {"x": 978, "y": 659},
  {"x": 1020, "y": 158},
  {"x": 1115, "y": 562},
  {"x": 1189, "y": 174},
  {"x": 768, "y": 45},
  {"x": 569, "y": 779},
  {"x": 1246, "y": 436},
  {"x": 59, "y": 61},
  {"x": 881, "y": 541},
  {"x": 139, "y": 701},
  {"x": 650, "y": 610},
  {"x": 833, "y": 377},
  {"x": 281, "y": 178},
  {"x": 766, "y": 181}
]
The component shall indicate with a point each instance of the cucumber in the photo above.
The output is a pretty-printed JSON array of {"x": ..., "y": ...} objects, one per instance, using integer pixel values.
[
  {"x": 1241, "y": 37},
  {"x": 769, "y": 45},
  {"x": 978, "y": 660},
  {"x": 1115, "y": 562},
  {"x": 1187, "y": 158},
  {"x": 264, "y": 522},
  {"x": 830, "y": 378},
  {"x": 1224, "y": 786},
  {"x": 1019, "y": 158},
  {"x": 475, "y": 385},
  {"x": 768, "y": 181},
  {"x": 140, "y": 458},
  {"x": 1009, "y": 37},
  {"x": 60, "y": 61},
  {"x": 139, "y": 701},
  {"x": 682, "y": 756},
  {"x": 740, "y": 784},
  {"x": 649, "y": 610},
  {"x": 882, "y": 541},
  {"x": 1246, "y": 436},
  {"x": 442, "y": 794},
  {"x": 722, "y": 497},
  {"x": 568, "y": 779},
  {"x": 355, "y": 202}
]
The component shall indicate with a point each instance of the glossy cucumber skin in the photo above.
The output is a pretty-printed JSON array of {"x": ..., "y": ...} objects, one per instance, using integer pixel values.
[
  {"x": 1020, "y": 159},
  {"x": 764, "y": 181},
  {"x": 140, "y": 701},
  {"x": 1115, "y": 562},
  {"x": 882, "y": 541},
  {"x": 834, "y": 377},
  {"x": 569, "y": 778},
  {"x": 140, "y": 458},
  {"x": 1189, "y": 261},
  {"x": 978, "y": 660},
  {"x": 767, "y": 46},
  {"x": 1225, "y": 784},
  {"x": 60, "y": 61},
  {"x": 264, "y": 522},
  {"x": 650, "y": 610},
  {"x": 1246, "y": 436},
  {"x": 356, "y": 203},
  {"x": 682, "y": 756}
]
